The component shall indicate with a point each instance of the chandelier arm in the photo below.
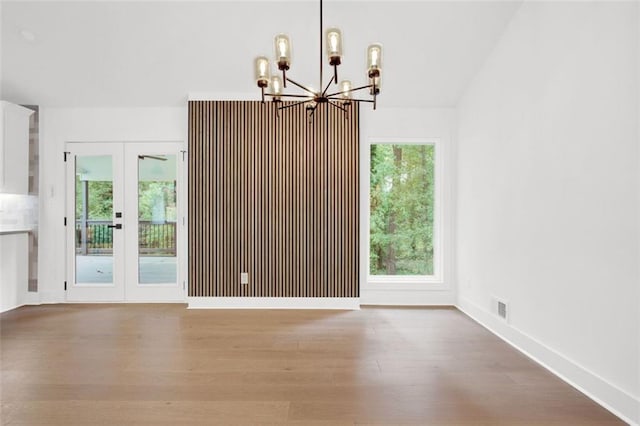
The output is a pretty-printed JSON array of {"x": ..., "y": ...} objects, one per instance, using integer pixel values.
[
  {"x": 361, "y": 100},
  {"x": 335, "y": 105},
  {"x": 292, "y": 105},
  {"x": 284, "y": 95},
  {"x": 375, "y": 95},
  {"x": 327, "y": 88},
  {"x": 350, "y": 90},
  {"x": 306, "y": 89}
]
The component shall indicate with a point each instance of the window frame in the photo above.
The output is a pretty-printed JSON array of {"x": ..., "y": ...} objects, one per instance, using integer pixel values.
[{"x": 409, "y": 282}]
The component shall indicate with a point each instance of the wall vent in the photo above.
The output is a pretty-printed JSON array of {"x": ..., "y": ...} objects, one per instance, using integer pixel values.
[{"x": 500, "y": 308}]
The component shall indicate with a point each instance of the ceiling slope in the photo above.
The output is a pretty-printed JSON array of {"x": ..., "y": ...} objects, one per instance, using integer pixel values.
[{"x": 128, "y": 54}]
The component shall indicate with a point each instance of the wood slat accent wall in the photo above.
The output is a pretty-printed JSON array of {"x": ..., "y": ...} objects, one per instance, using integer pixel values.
[{"x": 274, "y": 197}]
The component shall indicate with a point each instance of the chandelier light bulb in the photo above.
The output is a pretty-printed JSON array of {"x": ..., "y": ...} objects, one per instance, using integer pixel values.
[
  {"x": 334, "y": 46},
  {"x": 262, "y": 71},
  {"x": 345, "y": 88},
  {"x": 374, "y": 59},
  {"x": 283, "y": 51},
  {"x": 333, "y": 42},
  {"x": 276, "y": 87}
]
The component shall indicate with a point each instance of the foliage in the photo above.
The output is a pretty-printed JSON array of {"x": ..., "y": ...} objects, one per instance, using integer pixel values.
[
  {"x": 156, "y": 204},
  {"x": 156, "y": 201},
  {"x": 402, "y": 207},
  {"x": 100, "y": 202}
]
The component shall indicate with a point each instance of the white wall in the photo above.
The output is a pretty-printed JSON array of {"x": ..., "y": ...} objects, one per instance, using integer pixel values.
[
  {"x": 397, "y": 124},
  {"x": 548, "y": 193},
  {"x": 61, "y": 125}
]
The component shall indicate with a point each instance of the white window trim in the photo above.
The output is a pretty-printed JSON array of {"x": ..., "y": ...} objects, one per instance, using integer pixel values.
[{"x": 409, "y": 282}]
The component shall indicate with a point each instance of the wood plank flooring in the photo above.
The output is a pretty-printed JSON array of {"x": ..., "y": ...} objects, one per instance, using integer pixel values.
[{"x": 166, "y": 365}]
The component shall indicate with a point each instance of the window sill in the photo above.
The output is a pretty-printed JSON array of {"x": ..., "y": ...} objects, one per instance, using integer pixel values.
[{"x": 405, "y": 283}]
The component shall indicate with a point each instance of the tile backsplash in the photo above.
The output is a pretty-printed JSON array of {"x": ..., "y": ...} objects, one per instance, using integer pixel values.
[{"x": 18, "y": 211}]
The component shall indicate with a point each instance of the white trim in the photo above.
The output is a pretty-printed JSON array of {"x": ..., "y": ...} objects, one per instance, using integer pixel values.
[
  {"x": 608, "y": 395},
  {"x": 418, "y": 286},
  {"x": 19, "y": 305},
  {"x": 27, "y": 298},
  {"x": 346, "y": 303},
  {"x": 120, "y": 302},
  {"x": 30, "y": 298},
  {"x": 411, "y": 297},
  {"x": 224, "y": 96},
  {"x": 416, "y": 282},
  {"x": 408, "y": 281}
]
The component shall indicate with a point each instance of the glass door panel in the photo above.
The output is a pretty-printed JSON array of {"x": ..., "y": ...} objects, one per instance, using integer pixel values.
[
  {"x": 93, "y": 213},
  {"x": 94, "y": 222},
  {"x": 153, "y": 203},
  {"x": 157, "y": 219}
]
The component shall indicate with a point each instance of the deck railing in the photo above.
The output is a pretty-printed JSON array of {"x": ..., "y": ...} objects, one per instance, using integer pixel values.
[{"x": 154, "y": 239}]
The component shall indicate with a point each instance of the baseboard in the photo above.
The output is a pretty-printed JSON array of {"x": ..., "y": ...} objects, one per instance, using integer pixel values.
[
  {"x": 24, "y": 299},
  {"x": 346, "y": 303},
  {"x": 614, "y": 399},
  {"x": 30, "y": 298},
  {"x": 9, "y": 308},
  {"x": 20, "y": 305},
  {"x": 385, "y": 297}
]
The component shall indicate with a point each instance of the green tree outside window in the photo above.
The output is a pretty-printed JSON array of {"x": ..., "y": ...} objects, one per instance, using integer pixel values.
[{"x": 402, "y": 207}]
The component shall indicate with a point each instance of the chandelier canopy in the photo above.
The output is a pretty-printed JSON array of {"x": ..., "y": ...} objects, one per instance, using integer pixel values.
[{"x": 341, "y": 97}]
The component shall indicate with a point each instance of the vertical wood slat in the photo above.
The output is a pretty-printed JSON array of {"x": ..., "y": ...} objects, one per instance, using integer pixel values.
[{"x": 274, "y": 197}]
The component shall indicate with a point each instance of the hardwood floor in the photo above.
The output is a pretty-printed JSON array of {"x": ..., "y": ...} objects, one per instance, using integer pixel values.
[{"x": 164, "y": 364}]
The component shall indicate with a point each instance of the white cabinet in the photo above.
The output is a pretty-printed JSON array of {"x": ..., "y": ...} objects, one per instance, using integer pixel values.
[
  {"x": 14, "y": 148},
  {"x": 14, "y": 270}
]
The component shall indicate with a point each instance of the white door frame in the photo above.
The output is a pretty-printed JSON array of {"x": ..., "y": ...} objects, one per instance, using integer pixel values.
[
  {"x": 125, "y": 287},
  {"x": 94, "y": 292}
]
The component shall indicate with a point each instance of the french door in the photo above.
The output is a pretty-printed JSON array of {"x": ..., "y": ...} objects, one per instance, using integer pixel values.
[{"x": 124, "y": 222}]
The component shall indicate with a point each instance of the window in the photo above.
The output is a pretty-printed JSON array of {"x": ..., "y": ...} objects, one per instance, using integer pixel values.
[{"x": 402, "y": 211}]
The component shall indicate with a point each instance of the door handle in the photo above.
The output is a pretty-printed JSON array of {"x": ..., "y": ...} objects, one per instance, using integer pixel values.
[{"x": 117, "y": 226}]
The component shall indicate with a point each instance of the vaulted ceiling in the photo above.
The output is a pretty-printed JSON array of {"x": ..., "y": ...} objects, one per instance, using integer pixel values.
[{"x": 153, "y": 53}]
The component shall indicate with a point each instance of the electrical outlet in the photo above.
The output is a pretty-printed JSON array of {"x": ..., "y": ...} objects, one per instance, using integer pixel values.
[{"x": 244, "y": 278}]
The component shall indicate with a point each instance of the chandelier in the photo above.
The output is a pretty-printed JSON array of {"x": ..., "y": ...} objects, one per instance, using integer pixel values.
[{"x": 340, "y": 97}]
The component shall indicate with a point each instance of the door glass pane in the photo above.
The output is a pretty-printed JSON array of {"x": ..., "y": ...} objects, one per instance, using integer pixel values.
[
  {"x": 157, "y": 219},
  {"x": 402, "y": 207},
  {"x": 93, "y": 212}
]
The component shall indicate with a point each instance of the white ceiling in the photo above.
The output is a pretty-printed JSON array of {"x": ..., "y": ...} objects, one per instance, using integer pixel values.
[{"x": 116, "y": 53}]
